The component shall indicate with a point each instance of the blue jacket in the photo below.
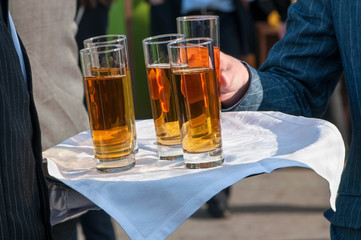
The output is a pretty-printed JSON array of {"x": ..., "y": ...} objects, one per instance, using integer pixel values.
[{"x": 323, "y": 41}]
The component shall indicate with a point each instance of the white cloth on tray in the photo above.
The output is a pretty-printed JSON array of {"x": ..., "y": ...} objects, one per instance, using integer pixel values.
[{"x": 155, "y": 197}]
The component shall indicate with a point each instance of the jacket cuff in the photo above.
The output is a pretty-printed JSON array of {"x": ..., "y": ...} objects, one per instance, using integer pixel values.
[{"x": 251, "y": 101}]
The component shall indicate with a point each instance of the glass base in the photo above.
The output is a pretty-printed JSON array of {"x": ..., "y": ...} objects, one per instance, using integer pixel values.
[
  {"x": 204, "y": 160},
  {"x": 136, "y": 147},
  {"x": 170, "y": 152},
  {"x": 117, "y": 165}
]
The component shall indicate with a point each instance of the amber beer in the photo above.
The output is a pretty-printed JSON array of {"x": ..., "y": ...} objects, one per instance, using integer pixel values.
[
  {"x": 163, "y": 105},
  {"x": 121, "y": 40},
  {"x": 132, "y": 112},
  {"x": 198, "y": 100},
  {"x": 108, "y": 95},
  {"x": 217, "y": 58},
  {"x": 109, "y": 112},
  {"x": 162, "y": 96}
]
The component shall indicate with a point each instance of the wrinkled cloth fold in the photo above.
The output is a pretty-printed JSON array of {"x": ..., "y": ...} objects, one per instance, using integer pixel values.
[{"x": 155, "y": 197}]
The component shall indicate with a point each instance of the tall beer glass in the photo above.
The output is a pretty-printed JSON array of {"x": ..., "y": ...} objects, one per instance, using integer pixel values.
[
  {"x": 198, "y": 98},
  {"x": 121, "y": 40},
  {"x": 108, "y": 98},
  {"x": 202, "y": 26},
  {"x": 162, "y": 95}
]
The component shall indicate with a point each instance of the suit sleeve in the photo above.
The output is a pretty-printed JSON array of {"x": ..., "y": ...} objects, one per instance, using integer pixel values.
[{"x": 302, "y": 69}]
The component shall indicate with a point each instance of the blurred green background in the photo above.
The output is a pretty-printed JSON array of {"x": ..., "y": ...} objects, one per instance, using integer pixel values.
[{"x": 140, "y": 26}]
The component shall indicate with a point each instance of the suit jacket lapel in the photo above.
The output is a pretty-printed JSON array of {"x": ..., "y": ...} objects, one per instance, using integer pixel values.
[{"x": 43, "y": 190}]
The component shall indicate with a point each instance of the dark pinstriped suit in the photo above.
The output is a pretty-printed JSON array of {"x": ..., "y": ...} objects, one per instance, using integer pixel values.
[
  {"x": 24, "y": 204},
  {"x": 323, "y": 41}
]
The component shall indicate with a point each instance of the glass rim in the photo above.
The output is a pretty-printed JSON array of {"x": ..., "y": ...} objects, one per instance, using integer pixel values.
[
  {"x": 200, "y": 41},
  {"x": 119, "y": 37},
  {"x": 149, "y": 40},
  {"x": 197, "y": 18},
  {"x": 87, "y": 50}
]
